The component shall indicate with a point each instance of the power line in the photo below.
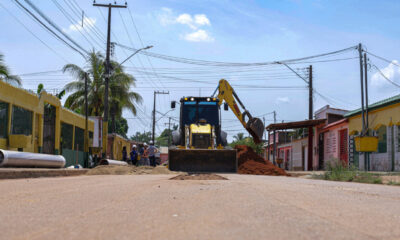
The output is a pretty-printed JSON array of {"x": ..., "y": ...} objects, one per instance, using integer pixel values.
[
  {"x": 27, "y": 11},
  {"x": 386, "y": 78},
  {"x": 231, "y": 64},
  {"x": 27, "y": 29},
  {"x": 383, "y": 59},
  {"x": 54, "y": 25}
]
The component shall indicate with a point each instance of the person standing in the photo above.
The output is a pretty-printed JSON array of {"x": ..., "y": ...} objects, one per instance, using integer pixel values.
[
  {"x": 152, "y": 154},
  {"x": 133, "y": 155},
  {"x": 146, "y": 155}
]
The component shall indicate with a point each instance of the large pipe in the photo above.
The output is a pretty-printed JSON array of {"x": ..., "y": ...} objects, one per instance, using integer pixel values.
[
  {"x": 27, "y": 159},
  {"x": 113, "y": 162}
]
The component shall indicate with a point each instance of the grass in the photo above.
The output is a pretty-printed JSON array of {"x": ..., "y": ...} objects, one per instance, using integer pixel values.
[
  {"x": 393, "y": 183},
  {"x": 335, "y": 171}
]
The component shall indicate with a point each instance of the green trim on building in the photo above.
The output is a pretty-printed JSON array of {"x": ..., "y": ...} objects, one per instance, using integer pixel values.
[{"x": 379, "y": 104}]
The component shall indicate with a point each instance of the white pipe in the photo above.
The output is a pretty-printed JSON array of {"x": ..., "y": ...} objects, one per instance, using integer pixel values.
[
  {"x": 113, "y": 162},
  {"x": 27, "y": 159}
]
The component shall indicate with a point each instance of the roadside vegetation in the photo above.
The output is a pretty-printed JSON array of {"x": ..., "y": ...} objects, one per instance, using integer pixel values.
[
  {"x": 335, "y": 171},
  {"x": 240, "y": 139}
]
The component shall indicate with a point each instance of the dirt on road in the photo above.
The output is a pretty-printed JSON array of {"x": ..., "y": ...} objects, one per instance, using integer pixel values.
[
  {"x": 205, "y": 176},
  {"x": 250, "y": 163},
  {"x": 128, "y": 170}
]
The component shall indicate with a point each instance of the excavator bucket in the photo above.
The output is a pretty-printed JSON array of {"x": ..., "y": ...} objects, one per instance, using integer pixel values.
[
  {"x": 202, "y": 160},
  {"x": 256, "y": 129}
]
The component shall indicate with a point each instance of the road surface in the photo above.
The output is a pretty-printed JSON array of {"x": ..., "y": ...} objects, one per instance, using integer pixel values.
[{"x": 153, "y": 207}]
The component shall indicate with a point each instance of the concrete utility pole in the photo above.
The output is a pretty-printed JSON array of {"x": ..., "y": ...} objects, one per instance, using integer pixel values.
[
  {"x": 169, "y": 131},
  {"x": 310, "y": 117},
  {"x": 108, "y": 71},
  {"x": 274, "y": 154},
  {"x": 154, "y": 113},
  {"x": 366, "y": 105},
  {"x": 362, "y": 87},
  {"x": 86, "y": 139}
]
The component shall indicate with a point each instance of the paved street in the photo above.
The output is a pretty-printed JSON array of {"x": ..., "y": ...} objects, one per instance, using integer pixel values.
[{"x": 153, "y": 207}]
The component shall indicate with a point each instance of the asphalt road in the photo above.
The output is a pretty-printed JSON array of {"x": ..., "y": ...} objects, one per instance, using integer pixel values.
[{"x": 153, "y": 207}]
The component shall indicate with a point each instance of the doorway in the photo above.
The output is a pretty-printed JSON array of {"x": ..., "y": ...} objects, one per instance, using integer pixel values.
[
  {"x": 49, "y": 129},
  {"x": 343, "y": 151}
]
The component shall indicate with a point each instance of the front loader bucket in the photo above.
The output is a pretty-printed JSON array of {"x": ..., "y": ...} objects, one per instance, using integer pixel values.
[
  {"x": 202, "y": 160},
  {"x": 256, "y": 129}
]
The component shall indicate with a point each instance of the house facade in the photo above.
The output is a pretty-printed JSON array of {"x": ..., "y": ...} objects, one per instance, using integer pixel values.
[{"x": 384, "y": 123}]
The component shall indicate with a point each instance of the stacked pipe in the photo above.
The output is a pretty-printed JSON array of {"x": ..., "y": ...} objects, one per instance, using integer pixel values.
[{"x": 27, "y": 159}]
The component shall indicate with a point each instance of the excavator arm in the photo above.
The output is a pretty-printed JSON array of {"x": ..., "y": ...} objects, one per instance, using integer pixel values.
[{"x": 253, "y": 125}]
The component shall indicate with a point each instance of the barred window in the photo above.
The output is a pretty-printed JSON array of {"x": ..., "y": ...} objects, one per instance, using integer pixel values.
[
  {"x": 66, "y": 135},
  {"x": 79, "y": 138},
  {"x": 382, "y": 141},
  {"x": 21, "y": 121},
  {"x": 3, "y": 119}
]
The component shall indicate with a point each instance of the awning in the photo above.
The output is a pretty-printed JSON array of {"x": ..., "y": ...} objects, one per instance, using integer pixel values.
[{"x": 293, "y": 125}]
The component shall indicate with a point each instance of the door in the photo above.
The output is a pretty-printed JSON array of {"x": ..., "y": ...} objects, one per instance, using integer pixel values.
[
  {"x": 343, "y": 151},
  {"x": 321, "y": 151}
]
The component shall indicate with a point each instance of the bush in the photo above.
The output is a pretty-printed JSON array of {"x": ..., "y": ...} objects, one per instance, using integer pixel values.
[{"x": 337, "y": 171}]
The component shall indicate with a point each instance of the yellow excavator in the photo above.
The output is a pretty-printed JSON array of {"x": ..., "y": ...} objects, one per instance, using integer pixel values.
[{"x": 200, "y": 144}]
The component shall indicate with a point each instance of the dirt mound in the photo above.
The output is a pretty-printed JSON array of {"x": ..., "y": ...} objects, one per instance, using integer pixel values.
[
  {"x": 128, "y": 170},
  {"x": 205, "y": 176},
  {"x": 250, "y": 163}
]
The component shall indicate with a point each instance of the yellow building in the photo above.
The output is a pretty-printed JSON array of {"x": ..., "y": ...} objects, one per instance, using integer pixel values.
[
  {"x": 38, "y": 123},
  {"x": 383, "y": 122}
]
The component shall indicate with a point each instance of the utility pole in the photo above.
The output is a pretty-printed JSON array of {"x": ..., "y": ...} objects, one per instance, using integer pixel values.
[
  {"x": 154, "y": 113},
  {"x": 310, "y": 117},
  {"x": 366, "y": 104},
  {"x": 108, "y": 71},
  {"x": 169, "y": 131},
  {"x": 273, "y": 156},
  {"x": 362, "y": 87},
  {"x": 265, "y": 134},
  {"x": 86, "y": 139}
]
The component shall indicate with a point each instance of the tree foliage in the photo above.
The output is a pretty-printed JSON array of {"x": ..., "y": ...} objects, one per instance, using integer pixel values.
[
  {"x": 144, "y": 137},
  {"x": 239, "y": 139},
  {"x": 5, "y": 74},
  {"x": 121, "y": 126}
]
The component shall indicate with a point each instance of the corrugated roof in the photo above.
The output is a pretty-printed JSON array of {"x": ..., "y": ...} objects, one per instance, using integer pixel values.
[
  {"x": 379, "y": 104},
  {"x": 293, "y": 125}
]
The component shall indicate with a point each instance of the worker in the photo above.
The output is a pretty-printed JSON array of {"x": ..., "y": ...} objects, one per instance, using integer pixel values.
[
  {"x": 124, "y": 154},
  {"x": 146, "y": 155},
  {"x": 134, "y": 155},
  {"x": 152, "y": 154}
]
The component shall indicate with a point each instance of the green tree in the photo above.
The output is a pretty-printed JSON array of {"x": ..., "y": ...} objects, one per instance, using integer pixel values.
[
  {"x": 239, "y": 137},
  {"x": 248, "y": 141},
  {"x": 121, "y": 126},
  {"x": 162, "y": 140},
  {"x": 5, "y": 74},
  {"x": 120, "y": 95},
  {"x": 142, "y": 137}
]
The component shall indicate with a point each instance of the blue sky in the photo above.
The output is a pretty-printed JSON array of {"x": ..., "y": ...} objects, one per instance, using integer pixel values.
[{"x": 223, "y": 30}]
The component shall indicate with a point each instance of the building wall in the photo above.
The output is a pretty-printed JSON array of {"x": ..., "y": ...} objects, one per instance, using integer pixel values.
[
  {"x": 34, "y": 103},
  {"x": 299, "y": 155},
  {"x": 117, "y": 143}
]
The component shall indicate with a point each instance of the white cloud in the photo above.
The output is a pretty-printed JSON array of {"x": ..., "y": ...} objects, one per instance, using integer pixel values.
[
  {"x": 198, "y": 36},
  {"x": 186, "y": 19},
  {"x": 282, "y": 100},
  {"x": 392, "y": 72},
  {"x": 201, "y": 19},
  {"x": 87, "y": 21},
  {"x": 194, "y": 22}
]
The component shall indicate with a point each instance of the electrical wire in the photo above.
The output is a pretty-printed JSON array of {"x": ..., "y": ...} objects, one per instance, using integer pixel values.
[{"x": 386, "y": 78}]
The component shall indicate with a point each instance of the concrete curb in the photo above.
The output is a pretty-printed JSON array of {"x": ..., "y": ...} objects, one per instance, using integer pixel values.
[{"x": 15, "y": 173}]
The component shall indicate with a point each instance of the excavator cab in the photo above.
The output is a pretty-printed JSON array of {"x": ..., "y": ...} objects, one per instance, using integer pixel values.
[{"x": 200, "y": 142}]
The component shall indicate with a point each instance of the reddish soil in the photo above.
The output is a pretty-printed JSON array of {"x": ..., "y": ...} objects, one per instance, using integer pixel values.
[
  {"x": 250, "y": 163},
  {"x": 203, "y": 176}
]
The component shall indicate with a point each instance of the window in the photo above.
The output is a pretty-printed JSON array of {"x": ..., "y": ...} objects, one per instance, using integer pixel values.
[
  {"x": 382, "y": 142},
  {"x": 398, "y": 138},
  {"x": 21, "y": 121},
  {"x": 66, "y": 136},
  {"x": 79, "y": 138},
  {"x": 3, "y": 119}
]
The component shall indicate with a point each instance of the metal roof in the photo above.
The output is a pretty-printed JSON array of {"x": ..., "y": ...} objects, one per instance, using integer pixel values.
[
  {"x": 298, "y": 124},
  {"x": 379, "y": 104}
]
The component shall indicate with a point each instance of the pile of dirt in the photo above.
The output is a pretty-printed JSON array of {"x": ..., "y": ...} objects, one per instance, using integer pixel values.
[
  {"x": 204, "y": 176},
  {"x": 128, "y": 170},
  {"x": 250, "y": 163}
]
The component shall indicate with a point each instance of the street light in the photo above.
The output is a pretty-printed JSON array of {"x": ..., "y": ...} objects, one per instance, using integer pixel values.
[{"x": 148, "y": 47}]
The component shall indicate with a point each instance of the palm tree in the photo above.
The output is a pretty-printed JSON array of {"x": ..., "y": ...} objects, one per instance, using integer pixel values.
[
  {"x": 120, "y": 95},
  {"x": 5, "y": 73},
  {"x": 239, "y": 137}
]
